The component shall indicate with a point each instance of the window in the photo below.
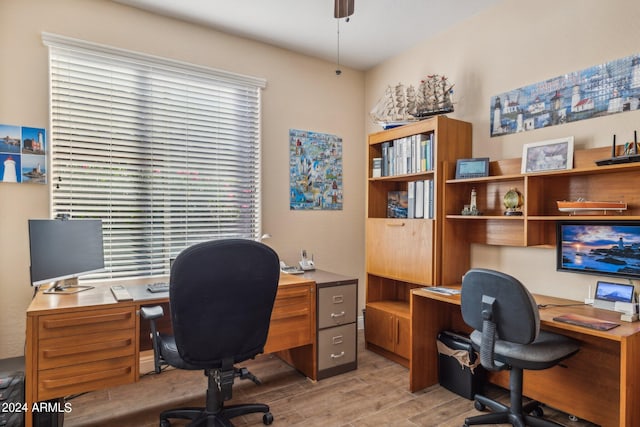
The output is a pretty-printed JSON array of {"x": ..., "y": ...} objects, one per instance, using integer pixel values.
[{"x": 167, "y": 154}]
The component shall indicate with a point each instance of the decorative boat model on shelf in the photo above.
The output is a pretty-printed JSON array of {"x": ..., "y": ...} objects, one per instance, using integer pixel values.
[
  {"x": 434, "y": 97},
  {"x": 400, "y": 105},
  {"x": 582, "y": 205}
]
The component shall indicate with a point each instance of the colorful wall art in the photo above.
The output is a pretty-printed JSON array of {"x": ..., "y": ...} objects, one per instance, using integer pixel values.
[
  {"x": 23, "y": 154},
  {"x": 604, "y": 89},
  {"x": 315, "y": 171}
]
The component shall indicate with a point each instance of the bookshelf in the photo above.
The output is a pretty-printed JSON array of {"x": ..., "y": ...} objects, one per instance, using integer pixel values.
[{"x": 405, "y": 252}]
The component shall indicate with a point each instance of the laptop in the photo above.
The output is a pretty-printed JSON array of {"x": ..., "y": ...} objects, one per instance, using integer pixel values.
[{"x": 608, "y": 294}]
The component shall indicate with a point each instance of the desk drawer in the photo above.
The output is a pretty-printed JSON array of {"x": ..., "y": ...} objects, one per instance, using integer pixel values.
[
  {"x": 54, "y": 383},
  {"x": 69, "y": 351},
  {"x": 336, "y": 346},
  {"x": 292, "y": 318},
  {"x": 86, "y": 322},
  {"x": 336, "y": 305}
]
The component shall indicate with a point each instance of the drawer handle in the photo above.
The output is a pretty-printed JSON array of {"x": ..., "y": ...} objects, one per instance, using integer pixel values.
[
  {"x": 395, "y": 224},
  {"x": 337, "y": 356},
  {"x": 338, "y": 299},
  {"x": 334, "y": 315},
  {"x": 337, "y": 339}
]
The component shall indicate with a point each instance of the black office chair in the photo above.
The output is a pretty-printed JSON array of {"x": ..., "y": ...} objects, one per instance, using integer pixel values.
[
  {"x": 221, "y": 295},
  {"x": 507, "y": 333}
]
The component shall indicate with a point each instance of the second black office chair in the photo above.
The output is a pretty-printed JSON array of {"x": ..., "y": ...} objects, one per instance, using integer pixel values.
[
  {"x": 221, "y": 295},
  {"x": 507, "y": 332}
]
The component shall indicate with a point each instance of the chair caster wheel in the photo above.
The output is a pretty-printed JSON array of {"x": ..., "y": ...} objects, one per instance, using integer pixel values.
[
  {"x": 478, "y": 405},
  {"x": 165, "y": 423},
  {"x": 267, "y": 419},
  {"x": 537, "y": 412}
]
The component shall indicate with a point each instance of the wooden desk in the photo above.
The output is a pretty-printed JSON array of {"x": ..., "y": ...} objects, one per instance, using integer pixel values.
[
  {"x": 600, "y": 383},
  {"x": 88, "y": 341}
]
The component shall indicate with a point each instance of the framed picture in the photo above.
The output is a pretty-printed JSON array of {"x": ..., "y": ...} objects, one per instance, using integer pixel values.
[
  {"x": 555, "y": 154},
  {"x": 472, "y": 168}
]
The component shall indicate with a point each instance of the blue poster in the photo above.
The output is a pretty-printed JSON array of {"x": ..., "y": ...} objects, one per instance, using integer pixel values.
[{"x": 315, "y": 171}]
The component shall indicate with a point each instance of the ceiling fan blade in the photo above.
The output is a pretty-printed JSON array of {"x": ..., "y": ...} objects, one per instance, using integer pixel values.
[{"x": 343, "y": 8}]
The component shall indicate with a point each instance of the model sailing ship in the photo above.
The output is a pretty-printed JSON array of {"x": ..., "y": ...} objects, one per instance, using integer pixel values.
[
  {"x": 399, "y": 106},
  {"x": 582, "y": 205}
]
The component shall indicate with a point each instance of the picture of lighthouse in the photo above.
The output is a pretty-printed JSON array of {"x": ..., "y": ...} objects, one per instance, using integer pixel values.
[
  {"x": 9, "y": 166},
  {"x": 609, "y": 88},
  {"x": 23, "y": 156}
]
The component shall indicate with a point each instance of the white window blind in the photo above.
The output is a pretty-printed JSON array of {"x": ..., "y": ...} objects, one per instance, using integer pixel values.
[{"x": 167, "y": 154}]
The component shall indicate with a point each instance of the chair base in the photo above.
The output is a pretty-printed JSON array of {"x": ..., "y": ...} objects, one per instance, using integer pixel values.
[
  {"x": 518, "y": 415},
  {"x": 221, "y": 418},
  {"x": 502, "y": 414}
]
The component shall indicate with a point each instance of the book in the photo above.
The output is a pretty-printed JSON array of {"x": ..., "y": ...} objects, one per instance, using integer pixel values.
[
  {"x": 376, "y": 168},
  {"x": 411, "y": 199},
  {"x": 419, "y": 204},
  {"x": 397, "y": 204}
]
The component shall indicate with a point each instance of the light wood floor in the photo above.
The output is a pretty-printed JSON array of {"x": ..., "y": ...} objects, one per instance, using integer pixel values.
[{"x": 376, "y": 394}]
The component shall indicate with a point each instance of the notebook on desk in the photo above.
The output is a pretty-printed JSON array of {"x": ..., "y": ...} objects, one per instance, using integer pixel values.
[{"x": 587, "y": 322}]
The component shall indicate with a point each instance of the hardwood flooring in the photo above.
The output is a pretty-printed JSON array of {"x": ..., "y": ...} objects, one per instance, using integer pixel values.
[{"x": 376, "y": 394}]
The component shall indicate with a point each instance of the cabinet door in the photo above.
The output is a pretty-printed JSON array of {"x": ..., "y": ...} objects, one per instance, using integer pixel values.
[
  {"x": 379, "y": 328},
  {"x": 400, "y": 249},
  {"x": 402, "y": 337}
]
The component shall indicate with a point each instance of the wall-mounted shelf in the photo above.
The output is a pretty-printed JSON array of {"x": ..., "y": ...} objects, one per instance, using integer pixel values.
[{"x": 541, "y": 191}]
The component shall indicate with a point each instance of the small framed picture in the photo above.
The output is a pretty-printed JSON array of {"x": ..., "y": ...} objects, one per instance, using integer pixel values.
[
  {"x": 472, "y": 168},
  {"x": 554, "y": 154}
]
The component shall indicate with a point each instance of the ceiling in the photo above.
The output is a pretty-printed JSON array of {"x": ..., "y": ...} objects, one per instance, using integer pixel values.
[{"x": 377, "y": 30}]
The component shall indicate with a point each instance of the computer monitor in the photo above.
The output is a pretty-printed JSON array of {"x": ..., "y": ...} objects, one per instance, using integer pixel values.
[
  {"x": 599, "y": 247},
  {"x": 63, "y": 249}
]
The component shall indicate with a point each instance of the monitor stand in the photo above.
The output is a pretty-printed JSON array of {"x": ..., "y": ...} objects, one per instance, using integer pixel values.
[{"x": 67, "y": 286}]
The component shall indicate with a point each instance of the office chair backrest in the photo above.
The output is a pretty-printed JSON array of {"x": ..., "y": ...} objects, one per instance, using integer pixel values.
[
  {"x": 221, "y": 295},
  {"x": 514, "y": 312}
]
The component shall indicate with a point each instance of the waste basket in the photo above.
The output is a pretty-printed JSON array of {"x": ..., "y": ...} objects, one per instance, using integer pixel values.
[{"x": 459, "y": 367}]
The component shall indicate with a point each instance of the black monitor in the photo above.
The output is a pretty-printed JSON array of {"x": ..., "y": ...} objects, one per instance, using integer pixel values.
[
  {"x": 63, "y": 249},
  {"x": 599, "y": 247}
]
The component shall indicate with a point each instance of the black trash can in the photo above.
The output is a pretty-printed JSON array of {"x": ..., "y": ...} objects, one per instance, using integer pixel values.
[{"x": 459, "y": 368}]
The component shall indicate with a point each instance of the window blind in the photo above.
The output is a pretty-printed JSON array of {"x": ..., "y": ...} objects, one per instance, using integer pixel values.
[{"x": 167, "y": 154}]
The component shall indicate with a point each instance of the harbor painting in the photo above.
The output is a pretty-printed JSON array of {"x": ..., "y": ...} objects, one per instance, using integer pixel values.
[
  {"x": 609, "y": 88},
  {"x": 315, "y": 171},
  {"x": 22, "y": 154}
]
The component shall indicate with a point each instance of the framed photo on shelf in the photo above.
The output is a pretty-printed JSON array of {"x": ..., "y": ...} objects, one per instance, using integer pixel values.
[
  {"x": 472, "y": 168},
  {"x": 554, "y": 154}
]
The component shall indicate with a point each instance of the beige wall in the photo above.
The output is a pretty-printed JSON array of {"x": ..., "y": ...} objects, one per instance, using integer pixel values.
[
  {"x": 301, "y": 93},
  {"x": 514, "y": 44}
]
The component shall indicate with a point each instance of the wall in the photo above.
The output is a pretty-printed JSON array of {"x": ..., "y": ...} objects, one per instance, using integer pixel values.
[
  {"x": 511, "y": 45},
  {"x": 301, "y": 93}
]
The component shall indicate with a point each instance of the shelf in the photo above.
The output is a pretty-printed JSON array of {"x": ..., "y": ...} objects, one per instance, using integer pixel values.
[
  {"x": 397, "y": 308},
  {"x": 494, "y": 178},
  {"x": 487, "y": 217},
  {"x": 584, "y": 217},
  {"x": 404, "y": 177}
]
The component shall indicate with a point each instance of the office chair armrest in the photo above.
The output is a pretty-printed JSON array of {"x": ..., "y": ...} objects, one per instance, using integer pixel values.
[{"x": 151, "y": 313}]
